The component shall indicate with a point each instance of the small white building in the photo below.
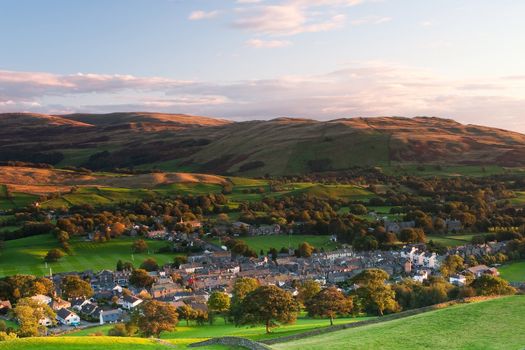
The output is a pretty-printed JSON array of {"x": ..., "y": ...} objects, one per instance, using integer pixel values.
[
  {"x": 458, "y": 280},
  {"x": 129, "y": 302},
  {"x": 67, "y": 317},
  {"x": 421, "y": 275}
]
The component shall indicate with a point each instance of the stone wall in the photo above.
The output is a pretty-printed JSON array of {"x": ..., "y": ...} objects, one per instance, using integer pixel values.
[{"x": 232, "y": 341}]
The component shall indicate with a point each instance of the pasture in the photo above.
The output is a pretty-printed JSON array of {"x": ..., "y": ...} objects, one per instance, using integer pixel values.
[
  {"x": 513, "y": 271},
  {"x": 492, "y": 324},
  {"x": 193, "y": 333},
  {"x": 26, "y": 255},
  {"x": 264, "y": 243}
]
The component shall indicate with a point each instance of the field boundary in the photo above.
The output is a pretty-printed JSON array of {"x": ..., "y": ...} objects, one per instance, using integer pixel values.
[
  {"x": 382, "y": 319},
  {"x": 232, "y": 341}
]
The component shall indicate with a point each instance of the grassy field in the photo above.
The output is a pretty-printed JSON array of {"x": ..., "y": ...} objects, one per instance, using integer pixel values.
[
  {"x": 91, "y": 343},
  {"x": 26, "y": 255},
  {"x": 493, "y": 324},
  {"x": 266, "y": 242},
  {"x": 109, "y": 195},
  {"x": 451, "y": 241},
  {"x": 184, "y": 335},
  {"x": 427, "y": 170},
  {"x": 16, "y": 200},
  {"x": 514, "y": 271}
]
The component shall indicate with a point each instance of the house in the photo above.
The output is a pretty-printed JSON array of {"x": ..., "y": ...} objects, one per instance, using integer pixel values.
[
  {"x": 430, "y": 260},
  {"x": 421, "y": 275},
  {"x": 67, "y": 317},
  {"x": 78, "y": 303},
  {"x": 42, "y": 299},
  {"x": 396, "y": 227},
  {"x": 453, "y": 225},
  {"x": 111, "y": 316},
  {"x": 45, "y": 321},
  {"x": 129, "y": 302},
  {"x": 480, "y": 270},
  {"x": 59, "y": 304},
  {"x": 164, "y": 288},
  {"x": 458, "y": 280}
]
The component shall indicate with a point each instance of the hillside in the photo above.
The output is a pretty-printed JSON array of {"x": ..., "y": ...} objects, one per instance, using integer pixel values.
[
  {"x": 280, "y": 146},
  {"x": 39, "y": 181},
  {"x": 491, "y": 324}
]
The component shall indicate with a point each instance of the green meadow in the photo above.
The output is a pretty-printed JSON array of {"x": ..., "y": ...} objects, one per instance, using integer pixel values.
[
  {"x": 513, "y": 271},
  {"x": 264, "y": 243},
  {"x": 490, "y": 325},
  {"x": 26, "y": 255}
]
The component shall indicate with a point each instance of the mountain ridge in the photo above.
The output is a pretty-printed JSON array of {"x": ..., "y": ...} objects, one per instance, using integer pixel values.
[{"x": 280, "y": 146}]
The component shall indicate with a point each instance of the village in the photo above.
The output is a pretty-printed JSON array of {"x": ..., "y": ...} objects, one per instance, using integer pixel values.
[{"x": 215, "y": 268}]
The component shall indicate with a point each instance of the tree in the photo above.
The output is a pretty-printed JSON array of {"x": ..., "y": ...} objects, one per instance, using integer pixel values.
[
  {"x": 123, "y": 330},
  {"x": 29, "y": 312},
  {"x": 155, "y": 317},
  {"x": 141, "y": 279},
  {"x": 242, "y": 287},
  {"x": 53, "y": 255},
  {"x": 219, "y": 302},
  {"x": 492, "y": 285},
  {"x": 179, "y": 260},
  {"x": 74, "y": 287},
  {"x": 307, "y": 290},
  {"x": 329, "y": 302},
  {"x": 373, "y": 293},
  {"x": 412, "y": 235},
  {"x": 62, "y": 236},
  {"x": 268, "y": 305},
  {"x": 451, "y": 265},
  {"x": 149, "y": 265},
  {"x": 305, "y": 250},
  {"x": 187, "y": 313},
  {"x": 139, "y": 246}
]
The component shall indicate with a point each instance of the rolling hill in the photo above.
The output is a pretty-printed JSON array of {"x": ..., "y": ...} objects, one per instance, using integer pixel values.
[
  {"x": 282, "y": 146},
  {"x": 491, "y": 324}
]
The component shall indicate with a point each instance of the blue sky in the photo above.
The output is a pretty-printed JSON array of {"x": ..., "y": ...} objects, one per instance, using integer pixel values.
[{"x": 246, "y": 59}]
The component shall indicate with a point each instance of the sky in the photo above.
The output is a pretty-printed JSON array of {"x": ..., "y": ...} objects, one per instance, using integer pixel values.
[{"x": 263, "y": 59}]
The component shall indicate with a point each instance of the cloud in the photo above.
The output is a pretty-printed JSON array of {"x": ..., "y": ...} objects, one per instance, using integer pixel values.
[
  {"x": 360, "y": 89},
  {"x": 370, "y": 20},
  {"x": 267, "y": 44},
  {"x": 293, "y": 17},
  {"x": 200, "y": 15}
]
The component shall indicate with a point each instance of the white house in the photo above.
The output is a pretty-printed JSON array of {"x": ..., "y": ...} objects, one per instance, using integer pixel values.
[
  {"x": 45, "y": 321},
  {"x": 430, "y": 260},
  {"x": 421, "y": 275},
  {"x": 68, "y": 318},
  {"x": 458, "y": 280},
  {"x": 111, "y": 316},
  {"x": 129, "y": 302},
  {"x": 42, "y": 299}
]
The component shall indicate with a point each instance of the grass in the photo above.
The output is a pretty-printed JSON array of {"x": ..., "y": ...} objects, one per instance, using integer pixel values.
[
  {"x": 184, "y": 335},
  {"x": 427, "y": 170},
  {"x": 90, "y": 343},
  {"x": 26, "y": 255},
  {"x": 451, "y": 241},
  {"x": 278, "y": 241},
  {"x": 16, "y": 200},
  {"x": 513, "y": 271},
  {"x": 111, "y": 195},
  {"x": 493, "y": 324}
]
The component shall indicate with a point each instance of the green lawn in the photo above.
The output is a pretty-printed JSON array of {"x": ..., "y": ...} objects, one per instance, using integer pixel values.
[
  {"x": 25, "y": 255},
  {"x": 91, "y": 343},
  {"x": 489, "y": 325},
  {"x": 184, "y": 335},
  {"x": 513, "y": 272},
  {"x": 451, "y": 241},
  {"x": 266, "y": 242},
  {"x": 519, "y": 200},
  {"x": 16, "y": 200}
]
